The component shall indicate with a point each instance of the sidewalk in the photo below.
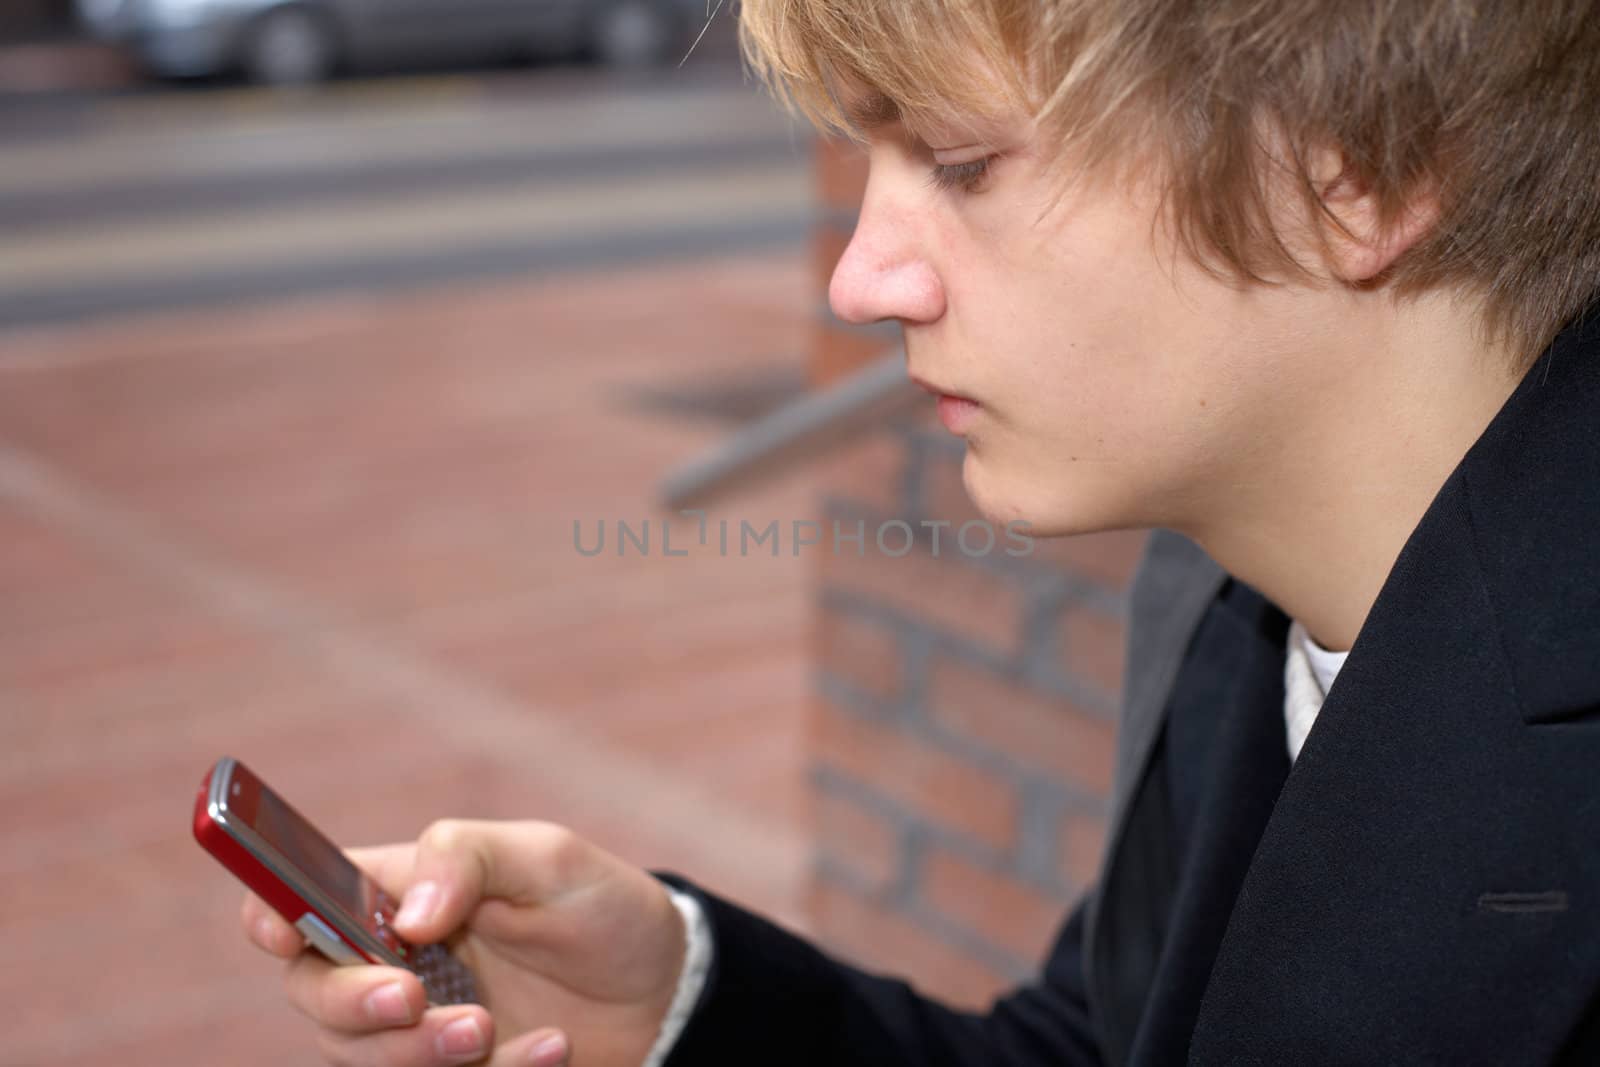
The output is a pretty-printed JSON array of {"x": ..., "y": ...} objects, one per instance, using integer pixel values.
[{"x": 336, "y": 541}]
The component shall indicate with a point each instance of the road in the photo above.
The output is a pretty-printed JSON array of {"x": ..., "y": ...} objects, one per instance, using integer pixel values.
[{"x": 182, "y": 199}]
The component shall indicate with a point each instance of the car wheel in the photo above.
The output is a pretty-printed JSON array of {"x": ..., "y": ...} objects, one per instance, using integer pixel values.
[
  {"x": 632, "y": 34},
  {"x": 290, "y": 46}
]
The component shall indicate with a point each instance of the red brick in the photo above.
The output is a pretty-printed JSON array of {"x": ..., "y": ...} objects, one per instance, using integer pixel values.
[
  {"x": 947, "y": 591},
  {"x": 73, "y": 650},
  {"x": 867, "y": 472},
  {"x": 1044, "y": 732},
  {"x": 935, "y": 784},
  {"x": 1109, "y": 557},
  {"x": 841, "y": 173},
  {"x": 1007, "y": 913},
  {"x": 869, "y": 844},
  {"x": 1093, "y": 646},
  {"x": 861, "y": 652},
  {"x": 74, "y": 66},
  {"x": 397, "y": 469},
  {"x": 1082, "y": 842},
  {"x": 828, "y": 242},
  {"x": 883, "y": 941},
  {"x": 837, "y": 351},
  {"x": 191, "y": 1025},
  {"x": 39, "y": 558}
]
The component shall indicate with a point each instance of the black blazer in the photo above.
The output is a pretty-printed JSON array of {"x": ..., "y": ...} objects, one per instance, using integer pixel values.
[{"x": 1423, "y": 887}]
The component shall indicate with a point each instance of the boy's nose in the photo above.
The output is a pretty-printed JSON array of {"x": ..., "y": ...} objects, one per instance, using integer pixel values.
[{"x": 881, "y": 276}]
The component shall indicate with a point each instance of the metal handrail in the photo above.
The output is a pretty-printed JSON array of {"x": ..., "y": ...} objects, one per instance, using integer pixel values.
[{"x": 800, "y": 430}]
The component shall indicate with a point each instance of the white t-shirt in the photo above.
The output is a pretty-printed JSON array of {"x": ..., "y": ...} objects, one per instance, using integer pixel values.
[
  {"x": 690, "y": 981},
  {"x": 1308, "y": 673}
]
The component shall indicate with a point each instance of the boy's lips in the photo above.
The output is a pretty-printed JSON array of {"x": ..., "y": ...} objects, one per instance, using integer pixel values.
[
  {"x": 955, "y": 410},
  {"x": 941, "y": 391}
]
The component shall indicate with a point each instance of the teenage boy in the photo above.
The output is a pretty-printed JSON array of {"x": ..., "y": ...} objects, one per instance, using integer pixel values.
[{"x": 1301, "y": 284}]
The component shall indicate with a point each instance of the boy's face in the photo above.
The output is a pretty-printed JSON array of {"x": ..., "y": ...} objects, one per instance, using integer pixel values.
[{"x": 1117, "y": 383}]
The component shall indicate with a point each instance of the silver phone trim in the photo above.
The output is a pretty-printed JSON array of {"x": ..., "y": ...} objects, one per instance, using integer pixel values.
[{"x": 274, "y": 861}]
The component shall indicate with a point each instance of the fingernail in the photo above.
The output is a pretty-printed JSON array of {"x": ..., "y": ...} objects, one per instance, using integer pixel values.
[
  {"x": 551, "y": 1052},
  {"x": 461, "y": 1038},
  {"x": 264, "y": 930},
  {"x": 421, "y": 901},
  {"x": 388, "y": 1005}
]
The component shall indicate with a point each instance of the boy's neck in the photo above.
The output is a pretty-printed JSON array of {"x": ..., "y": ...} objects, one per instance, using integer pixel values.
[{"x": 1392, "y": 403}]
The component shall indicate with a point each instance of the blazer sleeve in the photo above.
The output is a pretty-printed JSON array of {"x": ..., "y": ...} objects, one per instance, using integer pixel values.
[{"x": 774, "y": 999}]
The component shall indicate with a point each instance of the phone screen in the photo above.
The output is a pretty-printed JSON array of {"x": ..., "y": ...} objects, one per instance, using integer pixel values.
[{"x": 301, "y": 844}]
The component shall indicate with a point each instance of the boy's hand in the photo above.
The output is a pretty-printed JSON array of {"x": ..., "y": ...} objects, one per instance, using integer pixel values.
[{"x": 573, "y": 950}]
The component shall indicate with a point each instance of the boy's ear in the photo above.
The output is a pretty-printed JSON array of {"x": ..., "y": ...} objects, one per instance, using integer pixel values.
[{"x": 1364, "y": 248}]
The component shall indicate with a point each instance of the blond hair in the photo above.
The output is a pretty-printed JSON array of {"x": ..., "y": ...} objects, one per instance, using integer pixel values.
[{"x": 1491, "y": 107}]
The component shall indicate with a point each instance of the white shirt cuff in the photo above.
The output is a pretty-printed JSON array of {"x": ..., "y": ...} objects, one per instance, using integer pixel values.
[{"x": 696, "y": 962}]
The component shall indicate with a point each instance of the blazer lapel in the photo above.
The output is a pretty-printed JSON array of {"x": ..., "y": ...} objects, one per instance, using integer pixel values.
[
  {"x": 1175, "y": 584},
  {"x": 1426, "y": 887},
  {"x": 1225, "y": 737}
]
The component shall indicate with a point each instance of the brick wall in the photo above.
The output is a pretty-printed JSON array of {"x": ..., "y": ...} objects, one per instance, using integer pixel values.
[{"x": 964, "y": 701}]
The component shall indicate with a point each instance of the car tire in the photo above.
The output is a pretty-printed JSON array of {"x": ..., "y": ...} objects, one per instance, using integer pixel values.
[
  {"x": 290, "y": 46},
  {"x": 632, "y": 34}
]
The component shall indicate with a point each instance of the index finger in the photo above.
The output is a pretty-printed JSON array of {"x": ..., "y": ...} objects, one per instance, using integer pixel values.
[{"x": 267, "y": 929}]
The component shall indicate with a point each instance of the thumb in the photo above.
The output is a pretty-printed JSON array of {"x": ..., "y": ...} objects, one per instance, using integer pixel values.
[{"x": 462, "y": 862}]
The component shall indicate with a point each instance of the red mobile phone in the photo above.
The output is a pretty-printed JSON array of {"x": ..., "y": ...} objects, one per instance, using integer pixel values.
[{"x": 292, "y": 866}]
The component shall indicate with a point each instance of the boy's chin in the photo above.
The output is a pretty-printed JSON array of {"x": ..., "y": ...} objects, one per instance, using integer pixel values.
[{"x": 1041, "y": 509}]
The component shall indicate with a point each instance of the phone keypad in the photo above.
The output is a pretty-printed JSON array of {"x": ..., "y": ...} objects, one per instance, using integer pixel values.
[{"x": 445, "y": 978}]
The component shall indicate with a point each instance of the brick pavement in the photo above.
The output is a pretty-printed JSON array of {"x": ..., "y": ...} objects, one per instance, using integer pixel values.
[{"x": 336, "y": 541}]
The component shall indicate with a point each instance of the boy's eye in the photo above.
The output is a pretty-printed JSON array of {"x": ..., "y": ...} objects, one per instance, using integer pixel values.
[{"x": 963, "y": 176}]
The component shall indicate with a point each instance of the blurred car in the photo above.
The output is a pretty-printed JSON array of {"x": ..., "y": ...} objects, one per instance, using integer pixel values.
[{"x": 293, "y": 42}]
